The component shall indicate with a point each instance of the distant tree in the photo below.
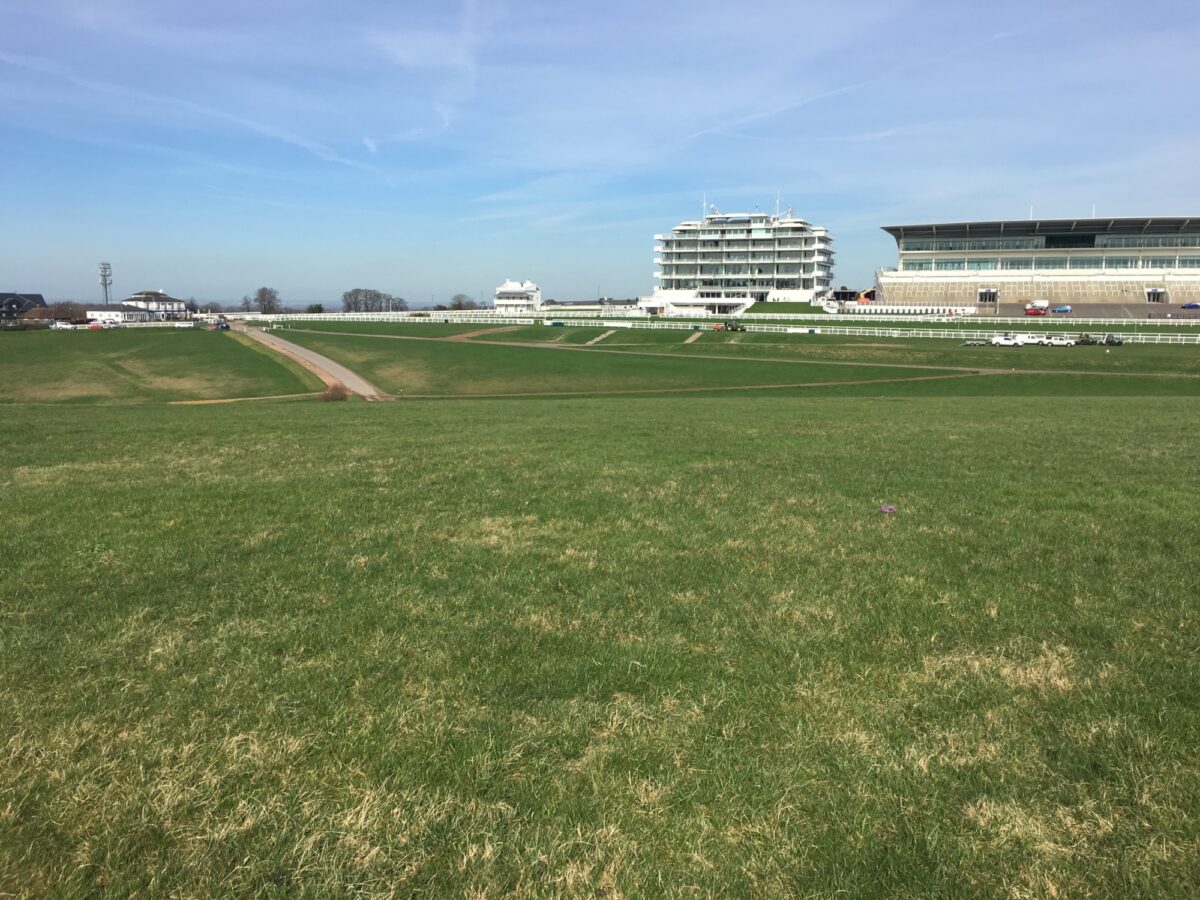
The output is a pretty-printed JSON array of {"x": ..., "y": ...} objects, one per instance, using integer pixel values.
[
  {"x": 69, "y": 311},
  {"x": 370, "y": 300},
  {"x": 315, "y": 308},
  {"x": 267, "y": 300},
  {"x": 247, "y": 303},
  {"x": 462, "y": 301},
  {"x": 441, "y": 306},
  {"x": 213, "y": 308}
]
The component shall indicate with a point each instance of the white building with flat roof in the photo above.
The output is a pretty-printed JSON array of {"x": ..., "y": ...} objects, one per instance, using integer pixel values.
[
  {"x": 723, "y": 263},
  {"x": 517, "y": 298},
  {"x": 159, "y": 303}
]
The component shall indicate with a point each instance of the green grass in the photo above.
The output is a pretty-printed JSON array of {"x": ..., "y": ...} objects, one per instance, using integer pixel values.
[
  {"x": 616, "y": 646},
  {"x": 1132, "y": 358},
  {"x": 141, "y": 365},
  {"x": 608, "y": 647},
  {"x": 430, "y": 328},
  {"x": 748, "y": 359},
  {"x": 581, "y": 335},
  {"x": 786, "y": 308},
  {"x": 461, "y": 368}
]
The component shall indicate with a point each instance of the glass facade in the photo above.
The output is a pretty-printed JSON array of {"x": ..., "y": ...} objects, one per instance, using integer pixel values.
[
  {"x": 1183, "y": 240},
  {"x": 1021, "y": 263},
  {"x": 1027, "y": 243}
]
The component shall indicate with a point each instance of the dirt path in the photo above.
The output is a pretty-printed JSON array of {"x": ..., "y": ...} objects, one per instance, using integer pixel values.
[
  {"x": 700, "y": 390},
  {"x": 694, "y": 336},
  {"x": 465, "y": 336},
  {"x": 598, "y": 338},
  {"x": 239, "y": 399},
  {"x": 323, "y": 367}
]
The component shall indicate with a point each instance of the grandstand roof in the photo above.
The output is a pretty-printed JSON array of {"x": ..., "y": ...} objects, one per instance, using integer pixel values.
[{"x": 1024, "y": 227}]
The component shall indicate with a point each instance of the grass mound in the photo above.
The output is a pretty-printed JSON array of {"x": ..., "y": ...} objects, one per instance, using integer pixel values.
[{"x": 139, "y": 366}]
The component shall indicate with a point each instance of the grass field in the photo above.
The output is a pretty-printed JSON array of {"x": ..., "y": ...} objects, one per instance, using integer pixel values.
[
  {"x": 462, "y": 368},
  {"x": 804, "y": 308},
  {"x": 609, "y": 647},
  {"x": 140, "y": 365},
  {"x": 445, "y": 368}
]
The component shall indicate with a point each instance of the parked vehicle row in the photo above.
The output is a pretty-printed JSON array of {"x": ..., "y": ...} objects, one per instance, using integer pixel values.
[
  {"x": 217, "y": 325},
  {"x": 1053, "y": 340},
  {"x": 1042, "y": 307}
]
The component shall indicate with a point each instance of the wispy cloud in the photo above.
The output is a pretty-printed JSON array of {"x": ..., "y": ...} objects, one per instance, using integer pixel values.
[
  {"x": 563, "y": 135},
  {"x": 62, "y": 73}
]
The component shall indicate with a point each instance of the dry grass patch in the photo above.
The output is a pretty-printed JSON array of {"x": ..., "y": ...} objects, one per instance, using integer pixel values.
[{"x": 1053, "y": 669}]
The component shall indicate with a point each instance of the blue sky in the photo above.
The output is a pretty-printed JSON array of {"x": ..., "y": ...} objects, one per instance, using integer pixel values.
[{"x": 426, "y": 149}]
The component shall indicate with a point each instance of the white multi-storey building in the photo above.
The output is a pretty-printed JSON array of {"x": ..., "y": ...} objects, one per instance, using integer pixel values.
[
  {"x": 517, "y": 297},
  {"x": 723, "y": 263}
]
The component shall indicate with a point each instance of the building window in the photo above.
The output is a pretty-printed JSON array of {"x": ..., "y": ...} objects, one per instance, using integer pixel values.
[
  {"x": 1185, "y": 240},
  {"x": 1157, "y": 295},
  {"x": 1120, "y": 262},
  {"x": 951, "y": 246},
  {"x": 1189, "y": 262},
  {"x": 1052, "y": 262},
  {"x": 989, "y": 295},
  {"x": 1158, "y": 262},
  {"x": 1020, "y": 262},
  {"x": 947, "y": 265},
  {"x": 917, "y": 265},
  {"x": 980, "y": 264},
  {"x": 1086, "y": 262}
]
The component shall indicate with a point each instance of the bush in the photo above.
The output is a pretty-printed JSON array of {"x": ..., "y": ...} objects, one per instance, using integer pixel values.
[{"x": 335, "y": 391}]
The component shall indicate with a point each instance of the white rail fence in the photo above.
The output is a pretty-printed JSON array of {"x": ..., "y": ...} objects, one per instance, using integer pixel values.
[{"x": 1007, "y": 323}]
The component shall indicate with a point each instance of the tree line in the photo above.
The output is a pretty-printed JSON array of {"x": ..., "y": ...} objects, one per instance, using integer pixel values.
[{"x": 267, "y": 300}]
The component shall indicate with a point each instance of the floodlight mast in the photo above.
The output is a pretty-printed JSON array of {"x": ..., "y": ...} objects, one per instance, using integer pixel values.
[{"x": 106, "y": 281}]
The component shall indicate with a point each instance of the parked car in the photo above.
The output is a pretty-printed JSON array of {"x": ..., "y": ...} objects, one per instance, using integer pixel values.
[
  {"x": 1086, "y": 339},
  {"x": 1006, "y": 340},
  {"x": 1195, "y": 304},
  {"x": 1035, "y": 310},
  {"x": 1060, "y": 340},
  {"x": 1061, "y": 309},
  {"x": 1113, "y": 340}
]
